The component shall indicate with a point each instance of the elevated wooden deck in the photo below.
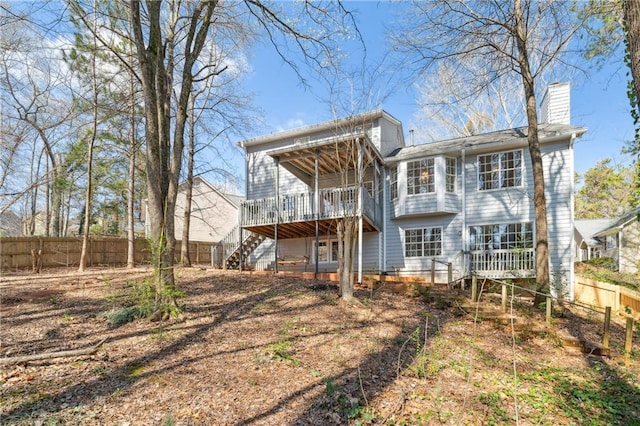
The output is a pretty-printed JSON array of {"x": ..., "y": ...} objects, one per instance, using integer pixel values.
[{"x": 295, "y": 215}]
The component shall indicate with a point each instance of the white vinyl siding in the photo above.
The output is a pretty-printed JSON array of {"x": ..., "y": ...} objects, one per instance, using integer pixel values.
[
  {"x": 557, "y": 162},
  {"x": 421, "y": 176},
  {"x": 500, "y": 170}
]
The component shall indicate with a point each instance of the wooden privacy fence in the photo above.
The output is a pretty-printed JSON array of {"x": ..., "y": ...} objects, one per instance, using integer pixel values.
[
  {"x": 21, "y": 252},
  {"x": 600, "y": 295}
]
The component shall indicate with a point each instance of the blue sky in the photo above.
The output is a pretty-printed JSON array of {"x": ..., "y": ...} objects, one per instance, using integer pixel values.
[{"x": 598, "y": 100}]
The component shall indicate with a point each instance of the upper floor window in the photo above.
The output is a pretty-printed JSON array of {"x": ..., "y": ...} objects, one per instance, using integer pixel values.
[
  {"x": 450, "y": 175},
  {"x": 394, "y": 182},
  {"x": 503, "y": 170},
  {"x": 423, "y": 242},
  {"x": 420, "y": 176}
]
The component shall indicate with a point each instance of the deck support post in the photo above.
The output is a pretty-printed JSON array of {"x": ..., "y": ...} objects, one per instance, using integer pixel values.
[
  {"x": 317, "y": 213},
  {"x": 628, "y": 340},
  {"x": 474, "y": 287},
  {"x": 275, "y": 227},
  {"x": 360, "y": 209},
  {"x": 607, "y": 327},
  {"x": 240, "y": 250}
]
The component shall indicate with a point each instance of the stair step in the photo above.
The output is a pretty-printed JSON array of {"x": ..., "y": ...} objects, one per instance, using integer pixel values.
[{"x": 584, "y": 346}]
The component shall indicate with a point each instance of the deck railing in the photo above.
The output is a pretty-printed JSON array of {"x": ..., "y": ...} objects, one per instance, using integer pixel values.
[
  {"x": 333, "y": 203},
  {"x": 500, "y": 263}
]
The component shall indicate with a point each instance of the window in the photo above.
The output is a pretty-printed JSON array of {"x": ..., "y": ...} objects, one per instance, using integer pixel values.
[
  {"x": 394, "y": 182},
  {"x": 423, "y": 242},
  {"x": 450, "y": 174},
  {"x": 326, "y": 255},
  {"x": 501, "y": 237},
  {"x": 420, "y": 178},
  {"x": 503, "y": 170}
]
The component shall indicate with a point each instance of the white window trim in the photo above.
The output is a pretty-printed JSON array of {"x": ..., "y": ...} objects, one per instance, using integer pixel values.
[
  {"x": 406, "y": 177},
  {"x": 404, "y": 241},
  {"x": 329, "y": 242},
  {"x": 394, "y": 172},
  {"x": 522, "y": 172},
  {"x": 455, "y": 175}
]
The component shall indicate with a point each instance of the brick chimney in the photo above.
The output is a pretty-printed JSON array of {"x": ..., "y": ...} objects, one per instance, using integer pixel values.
[{"x": 556, "y": 104}]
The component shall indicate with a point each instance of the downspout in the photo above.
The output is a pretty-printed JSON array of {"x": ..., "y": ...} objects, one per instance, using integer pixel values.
[
  {"x": 572, "y": 273},
  {"x": 465, "y": 243}
]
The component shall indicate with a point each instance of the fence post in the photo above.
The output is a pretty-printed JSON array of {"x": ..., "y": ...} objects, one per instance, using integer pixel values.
[
  {"x": 607, "y": 327},
  {"x": 474, "y": 287},
  {"x": 504, "y": 298},
  {"x": 449, "y": 273},
  {"x": 433, "y": 271},
  {"x": 548, "y": 316},
  {"x": 628, "y": 339}
]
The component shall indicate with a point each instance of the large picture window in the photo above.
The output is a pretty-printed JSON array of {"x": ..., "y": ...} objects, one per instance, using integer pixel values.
[
  {"x": 501, "y": 237},
  {"x": 502, "y": 170},
  {"x": 423, "y": 242},
  {"x": 420, "y": 176}
]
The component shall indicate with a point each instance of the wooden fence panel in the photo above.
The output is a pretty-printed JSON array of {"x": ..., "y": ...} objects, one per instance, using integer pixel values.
[
  {"x": 630, "y": 302},
  {"x": 600, "y": 295},
  {"x": 17, "y": 252},
  {"x": 596, "y": 293}
]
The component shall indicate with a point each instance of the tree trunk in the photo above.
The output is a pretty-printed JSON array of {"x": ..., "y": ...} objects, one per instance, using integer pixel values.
[
  {"x": 539, "y": 197},
  {"x": 92, "y": 138},
  {"x": 346, "y": 250},
  {"x": 131, "y": 188},
  {"x": 184, "y": 253},
  {"x": 631, "y": 10}
]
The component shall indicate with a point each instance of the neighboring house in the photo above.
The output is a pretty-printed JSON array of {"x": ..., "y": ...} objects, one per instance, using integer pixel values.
[
  {"x": 465, "y": 201},
  {"x": 10, "y": 224},
  {"x": 213, "y": 214},
  {"x": 621, "y": 241},
  {"x": 587, "y": 246}
]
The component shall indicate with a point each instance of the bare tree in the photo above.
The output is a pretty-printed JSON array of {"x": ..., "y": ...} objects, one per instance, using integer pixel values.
[
  {"x": 37, "y": 87},
  {"x": 448, "y": 109},
  {"x": 524, "y": 37}
]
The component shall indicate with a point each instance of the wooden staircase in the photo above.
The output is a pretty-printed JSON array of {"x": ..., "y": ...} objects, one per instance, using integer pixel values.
[{"x": 243, "y": 251}]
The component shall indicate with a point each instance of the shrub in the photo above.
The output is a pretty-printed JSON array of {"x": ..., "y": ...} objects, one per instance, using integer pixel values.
[{"x": 603, "y": 262}]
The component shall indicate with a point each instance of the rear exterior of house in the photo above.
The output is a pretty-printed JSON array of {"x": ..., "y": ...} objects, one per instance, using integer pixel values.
[{"x": 465, "y": 202}]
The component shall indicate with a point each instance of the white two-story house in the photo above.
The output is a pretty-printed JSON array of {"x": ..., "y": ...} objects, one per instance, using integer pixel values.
[{"x": 467, "y": 202}]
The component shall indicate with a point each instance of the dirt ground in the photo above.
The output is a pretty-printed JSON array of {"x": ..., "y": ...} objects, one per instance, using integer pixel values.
[{"x": 275, "y": 350}]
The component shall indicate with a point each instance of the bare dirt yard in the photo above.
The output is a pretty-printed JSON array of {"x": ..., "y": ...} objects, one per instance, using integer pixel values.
[{"x": 254, "y": 349}]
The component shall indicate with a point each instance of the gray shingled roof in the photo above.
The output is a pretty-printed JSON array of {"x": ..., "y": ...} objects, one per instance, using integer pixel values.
[
  {"x": 619, "y": 223},
  {"x": 501, "y": 138},
  {"x": 588, "y": 228},
  {"x": 235, "y": 199}
]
